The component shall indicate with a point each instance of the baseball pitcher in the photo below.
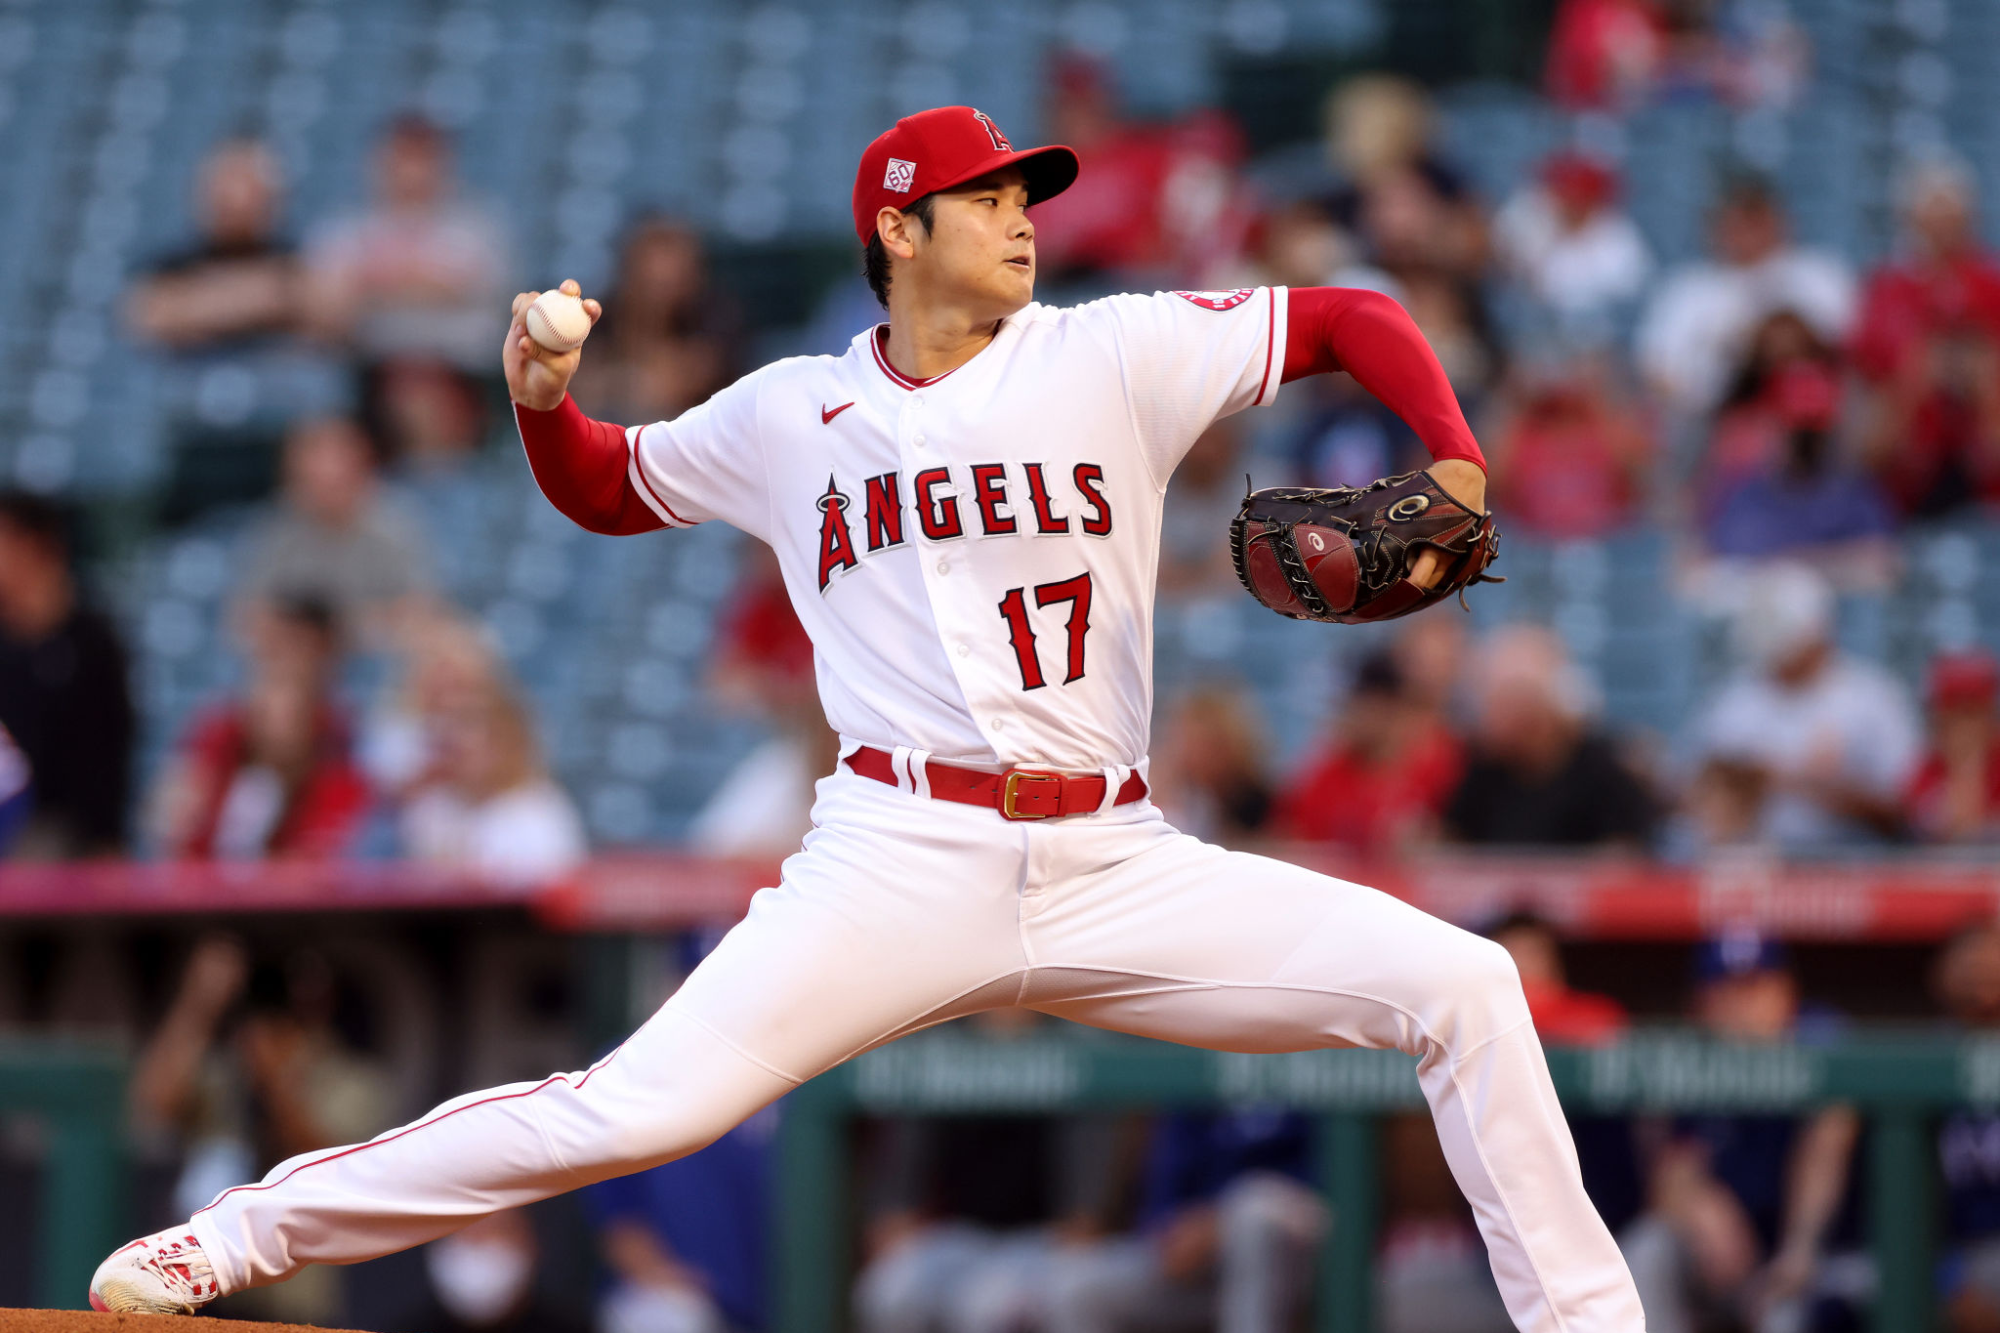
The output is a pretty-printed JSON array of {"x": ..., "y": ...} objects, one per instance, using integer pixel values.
[{"x": 966, "y": 507}]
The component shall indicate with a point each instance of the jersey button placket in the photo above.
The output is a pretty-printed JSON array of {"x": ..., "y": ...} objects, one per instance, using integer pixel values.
[{"x": 915, "y": 432}]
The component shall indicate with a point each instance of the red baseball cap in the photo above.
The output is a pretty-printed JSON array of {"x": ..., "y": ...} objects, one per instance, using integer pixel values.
[{"x": 946, "y": 146}]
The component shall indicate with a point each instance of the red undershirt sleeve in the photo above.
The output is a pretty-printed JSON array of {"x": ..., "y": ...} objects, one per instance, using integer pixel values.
[
  {"x": 584, "y": 468},
  {"x": 1373, "y": 338}
]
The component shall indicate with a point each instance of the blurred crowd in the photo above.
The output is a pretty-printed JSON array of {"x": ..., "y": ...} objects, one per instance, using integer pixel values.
[{"x": 1783, "y": 415}]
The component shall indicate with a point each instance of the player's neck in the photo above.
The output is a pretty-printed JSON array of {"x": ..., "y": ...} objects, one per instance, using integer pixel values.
[{"x": 927, "y": 340}]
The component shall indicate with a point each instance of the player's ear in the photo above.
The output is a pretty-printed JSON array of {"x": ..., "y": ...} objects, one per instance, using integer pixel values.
[{"x": 898, "y": 231}]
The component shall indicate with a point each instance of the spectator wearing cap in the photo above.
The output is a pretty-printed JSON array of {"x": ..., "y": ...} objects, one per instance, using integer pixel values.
[
  {"x": 1967, "y": 982},
  {"x": 1541, "y": 772},
  {"x": 268, "y": 774},
  {"x": 1834, "y": 739},
  {"x": 1577, "y": 256},
  {"x": 1802, "y": 497},
  {"x": 1750, "y": 1218},
  {"x": 336, "y": 536},
  {"x": 1954, "y": 794},
  {"x": 64, "y": 696},
  {"x": 1928, "y": 344},
  {"x": 1701, "y": 318},
  {"x": 422, "y": 271},
  {"x": 1378, "y": 782}
]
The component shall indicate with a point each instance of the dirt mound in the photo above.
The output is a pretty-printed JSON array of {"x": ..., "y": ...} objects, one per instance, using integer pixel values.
[{"x": 86, "y": 1321}]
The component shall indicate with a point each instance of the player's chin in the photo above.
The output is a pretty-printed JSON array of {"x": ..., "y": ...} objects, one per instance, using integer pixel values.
[{"x": 1016, "y": 282}]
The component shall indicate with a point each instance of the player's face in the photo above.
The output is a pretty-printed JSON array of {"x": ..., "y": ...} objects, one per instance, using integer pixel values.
[{"x": 981, "y": 247}]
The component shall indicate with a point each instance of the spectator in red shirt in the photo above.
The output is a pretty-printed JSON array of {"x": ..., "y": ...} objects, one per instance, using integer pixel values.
[
  {"x": 1154, "y": 202},
  {"x": 1954, "y": 795},
  {"x": 763, "y": 667},
  {"x": 269, "y": 774},
  {"x": 1563, "y": 1017},
  {"x": 1568, "y": 454},
  {"x": 1380, "y": 779},
  {"x": 764, "y": 660},
  {"x": 1928, "y": 342}
]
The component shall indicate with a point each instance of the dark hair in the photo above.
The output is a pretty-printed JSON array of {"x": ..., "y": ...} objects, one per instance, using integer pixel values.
[
  {"x": 416, "y": 127},
  {"x": 41, "y": 521},
  {"x": 875, "y": 262},
  {"x": 308, "y": 609},
  {"x": 1378, "y": 675},
  {"x": 1748, "y": 190},
  {"x": 1520, "y": 918}
]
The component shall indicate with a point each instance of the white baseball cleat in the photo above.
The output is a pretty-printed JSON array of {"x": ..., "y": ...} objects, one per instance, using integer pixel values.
[{"x": 164, "y": 1273}]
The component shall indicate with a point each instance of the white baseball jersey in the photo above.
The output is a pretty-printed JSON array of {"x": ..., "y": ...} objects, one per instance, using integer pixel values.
[{"x": 974, "y": 555}]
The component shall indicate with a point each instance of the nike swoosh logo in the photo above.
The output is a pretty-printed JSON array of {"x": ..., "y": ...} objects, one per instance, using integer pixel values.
[{"x": 826, "y": 417}]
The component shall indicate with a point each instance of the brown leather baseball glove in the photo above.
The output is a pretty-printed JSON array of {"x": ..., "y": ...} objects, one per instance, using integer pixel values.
[{"x": 1344, "y": 555}]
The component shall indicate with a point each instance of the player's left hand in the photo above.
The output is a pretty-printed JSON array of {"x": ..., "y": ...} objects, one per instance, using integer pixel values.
[{"x": 1464, "y": 482}]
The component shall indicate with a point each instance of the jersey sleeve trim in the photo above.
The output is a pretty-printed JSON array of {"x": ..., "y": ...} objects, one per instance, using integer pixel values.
[
  {"x": 1274, "y": 363},
  {"x": 644, "y": 485}
]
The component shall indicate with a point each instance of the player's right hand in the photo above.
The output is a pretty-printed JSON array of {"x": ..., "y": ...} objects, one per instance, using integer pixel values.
[{"x": 538, "y": 378}]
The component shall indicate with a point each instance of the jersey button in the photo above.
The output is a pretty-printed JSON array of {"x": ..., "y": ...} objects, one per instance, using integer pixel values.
[
  {"x": 965, "y": 650},
  {"x": 999, "y": 722},
  {"x": 918, "y": 439},
  {"x": 944, "y": 566}
]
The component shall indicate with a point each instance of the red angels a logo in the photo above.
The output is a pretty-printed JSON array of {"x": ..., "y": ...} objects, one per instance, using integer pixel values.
[
  {"x": 1000, "y": 143},
  {"x": 1218, "y": 300}
]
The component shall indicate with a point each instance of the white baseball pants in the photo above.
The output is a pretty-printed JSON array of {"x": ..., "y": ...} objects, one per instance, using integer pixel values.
[{"x": 901, "y": 912}]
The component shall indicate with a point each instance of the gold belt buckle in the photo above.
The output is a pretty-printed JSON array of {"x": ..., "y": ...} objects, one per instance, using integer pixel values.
[{"x": 1010, "y": 790}]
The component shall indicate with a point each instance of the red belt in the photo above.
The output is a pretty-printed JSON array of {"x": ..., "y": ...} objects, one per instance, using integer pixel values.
[{"x": 1018, "y": 793}]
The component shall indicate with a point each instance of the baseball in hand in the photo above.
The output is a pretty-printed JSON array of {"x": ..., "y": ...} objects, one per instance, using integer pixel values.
[{"x": 557, "y": 321}]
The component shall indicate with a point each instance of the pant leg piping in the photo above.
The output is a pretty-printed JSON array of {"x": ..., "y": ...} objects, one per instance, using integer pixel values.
[{"x": 710, "y": 1029}]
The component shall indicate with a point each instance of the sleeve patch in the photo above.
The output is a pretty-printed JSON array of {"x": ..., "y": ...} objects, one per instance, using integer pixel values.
[{"x": 1218, "y": 300}]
